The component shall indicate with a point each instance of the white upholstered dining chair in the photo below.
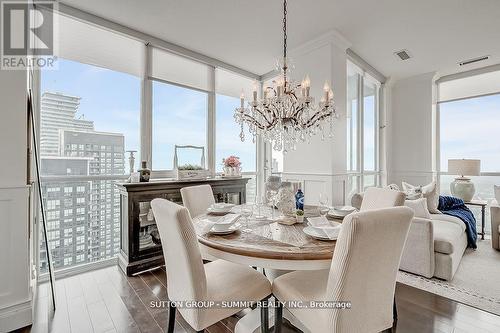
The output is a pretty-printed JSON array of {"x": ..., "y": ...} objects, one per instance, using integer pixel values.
[
  {"x": 376, "y": 198},
  {"x": 363, "y": 272},
  {"x": 197, "y": 199},
  {"x": 189, "y": 280}
]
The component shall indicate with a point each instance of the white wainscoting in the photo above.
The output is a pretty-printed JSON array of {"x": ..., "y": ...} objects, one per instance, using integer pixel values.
[
  {"x": 334, "y": 185},
  {"x": 15, "y": 276}
]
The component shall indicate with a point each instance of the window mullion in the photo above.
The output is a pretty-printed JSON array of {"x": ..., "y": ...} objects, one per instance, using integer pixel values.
[
  {"x": 146, "y": 117},
  {"x": 360, "y": 133},
  {"x": 211, "y": 124}
]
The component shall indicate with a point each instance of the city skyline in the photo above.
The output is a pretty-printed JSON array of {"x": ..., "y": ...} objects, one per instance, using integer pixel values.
[{"x": 83, "y": 215}]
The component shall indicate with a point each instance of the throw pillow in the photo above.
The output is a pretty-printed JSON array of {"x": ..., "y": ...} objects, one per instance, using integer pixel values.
[
  {"x": 497, "y": 193},
  {"x": 356, "y": 200},
  {"x": 419, "y": 206},
  {"x": 428, "y": 191},
  {"x": 394, "y": 187}
]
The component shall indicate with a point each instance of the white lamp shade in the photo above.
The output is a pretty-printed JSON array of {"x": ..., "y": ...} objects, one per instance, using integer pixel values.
[{"x": 464, "y": 167}]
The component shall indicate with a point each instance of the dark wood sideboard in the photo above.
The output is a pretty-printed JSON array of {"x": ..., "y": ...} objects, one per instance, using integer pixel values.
[{"x": 140, "y": 243}]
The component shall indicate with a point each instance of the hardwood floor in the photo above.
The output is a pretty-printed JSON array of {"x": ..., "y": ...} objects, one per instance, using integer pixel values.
[{"x": 106, "y": 300}]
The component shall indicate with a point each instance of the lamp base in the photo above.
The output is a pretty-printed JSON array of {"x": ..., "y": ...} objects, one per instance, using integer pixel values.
[{"x": 463, "y": 188}]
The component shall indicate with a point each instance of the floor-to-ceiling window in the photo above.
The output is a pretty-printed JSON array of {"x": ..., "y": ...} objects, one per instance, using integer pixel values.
[
  {"x": 469, "y": 119},
  {"x": 89, "y": 126},
  {"x": 228, "y": 89},
  {"x": 362, "y": 130}
]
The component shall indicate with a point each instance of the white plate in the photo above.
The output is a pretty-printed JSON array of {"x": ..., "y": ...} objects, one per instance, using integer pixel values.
[
  {"x": 210, "y": 210},
  {"x": 344, "y": 209},
  {"x": 231, "y": 229},
  {"x": 336, "y": 215},
  {"x": 317, "y": 234}
]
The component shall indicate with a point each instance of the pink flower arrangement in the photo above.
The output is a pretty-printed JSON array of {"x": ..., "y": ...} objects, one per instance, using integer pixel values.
[{"x": 231, "y": 161}]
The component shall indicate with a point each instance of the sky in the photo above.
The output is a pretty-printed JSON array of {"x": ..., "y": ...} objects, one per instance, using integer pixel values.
[
  {"x": 471, "y": 129},
  {"x": 112, "y": 100}
]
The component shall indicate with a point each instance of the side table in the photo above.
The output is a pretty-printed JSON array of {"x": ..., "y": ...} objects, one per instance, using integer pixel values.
[{"x": 482, "y": 204}]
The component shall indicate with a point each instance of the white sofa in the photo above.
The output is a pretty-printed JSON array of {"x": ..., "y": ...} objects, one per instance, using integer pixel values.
[
  {"x": 434, "y": 247},
  {"x": 495, "y": 224}
]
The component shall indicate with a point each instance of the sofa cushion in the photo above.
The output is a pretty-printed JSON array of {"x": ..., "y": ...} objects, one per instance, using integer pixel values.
[
  {"x": 449, "y": 218},
  {"x": 419, "y": 207},
  {"x": 447, "y": 236}
]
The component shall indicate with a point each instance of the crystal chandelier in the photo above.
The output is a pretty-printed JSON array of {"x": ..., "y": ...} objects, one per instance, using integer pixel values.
[{"x": 286, "y": 113}]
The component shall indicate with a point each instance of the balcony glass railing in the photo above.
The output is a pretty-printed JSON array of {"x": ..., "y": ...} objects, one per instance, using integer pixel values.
[{"x": 80, "y": 229}]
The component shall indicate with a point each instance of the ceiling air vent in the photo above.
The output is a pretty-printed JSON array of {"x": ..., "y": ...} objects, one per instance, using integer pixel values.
[
  {"x": 403, "y": 54},
  {"x": 471, "y": 61}
]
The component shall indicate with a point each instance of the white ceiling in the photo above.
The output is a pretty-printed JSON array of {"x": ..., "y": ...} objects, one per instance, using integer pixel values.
[{"x": 438, "y": 33}]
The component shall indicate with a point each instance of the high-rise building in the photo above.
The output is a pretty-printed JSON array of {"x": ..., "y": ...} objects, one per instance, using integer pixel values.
[
  {"x": 83, "y": 213},
  {"x": 57, "y": 112}
]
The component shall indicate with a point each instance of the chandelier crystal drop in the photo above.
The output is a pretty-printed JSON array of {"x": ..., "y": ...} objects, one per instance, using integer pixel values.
[{"x": 287, "y": 114}]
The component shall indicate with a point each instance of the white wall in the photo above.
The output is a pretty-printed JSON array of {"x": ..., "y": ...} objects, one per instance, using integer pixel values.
[
  {"x": 321, "y": 165},
  {"x": 410, "y": 145},
  {"x": 15, "y": 280}
]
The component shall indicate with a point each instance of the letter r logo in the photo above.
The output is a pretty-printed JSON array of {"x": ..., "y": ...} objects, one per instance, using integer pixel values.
[{"x": 27, "y": 30}]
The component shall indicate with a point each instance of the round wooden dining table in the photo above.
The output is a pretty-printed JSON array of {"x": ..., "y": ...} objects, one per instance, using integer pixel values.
[{"x": 266, "y": 244}]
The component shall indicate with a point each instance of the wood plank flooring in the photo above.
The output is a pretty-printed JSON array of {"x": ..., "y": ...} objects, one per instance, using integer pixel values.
[{"x": 106, "y": 300}]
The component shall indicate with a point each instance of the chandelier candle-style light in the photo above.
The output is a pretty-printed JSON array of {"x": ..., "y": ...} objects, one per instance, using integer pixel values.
[{"x": 286, "y": 113}]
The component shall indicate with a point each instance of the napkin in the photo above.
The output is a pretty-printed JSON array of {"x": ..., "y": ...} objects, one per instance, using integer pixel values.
[
  {"x": 226, "y": 219},
  {"x": 321, "y": 222}
]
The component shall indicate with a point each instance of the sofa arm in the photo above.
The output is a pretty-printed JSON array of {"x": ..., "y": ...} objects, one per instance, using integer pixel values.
[
  {"x": 495, "y": 222},
  {"x": 418, "y": 252}
]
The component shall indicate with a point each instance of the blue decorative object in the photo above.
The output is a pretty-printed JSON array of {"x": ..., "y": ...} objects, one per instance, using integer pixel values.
[
  {"x": 299, "y": 199},
  {"x": 456, "y": 207}
]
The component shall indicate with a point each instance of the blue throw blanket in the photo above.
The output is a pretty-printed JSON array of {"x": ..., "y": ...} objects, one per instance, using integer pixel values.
[{"x": 456, "y": 207}]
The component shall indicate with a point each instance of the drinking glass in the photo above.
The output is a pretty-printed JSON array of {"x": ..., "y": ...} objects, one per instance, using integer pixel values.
[
  {"x": 247, "y": 212},
  {"x": 259, "y": 202},
  {"x": 323, "y": 204},
  {"x": 271, "y": 195}
]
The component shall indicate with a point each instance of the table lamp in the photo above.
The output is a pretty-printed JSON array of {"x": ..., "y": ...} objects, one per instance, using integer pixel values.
[{"x": 462, "y": 187}]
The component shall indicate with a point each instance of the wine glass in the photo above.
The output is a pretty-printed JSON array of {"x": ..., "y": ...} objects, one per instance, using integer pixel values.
[
  {"x": 323, "y": 204},
  {"x": 247, "y": 212},
  {"x": 271, "y": 195}
]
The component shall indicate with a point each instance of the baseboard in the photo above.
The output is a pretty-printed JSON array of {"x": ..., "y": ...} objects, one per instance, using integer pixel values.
[{"x": 16, "y": 316}]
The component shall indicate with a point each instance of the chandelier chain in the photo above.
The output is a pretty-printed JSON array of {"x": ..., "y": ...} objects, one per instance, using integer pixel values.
[{"x": 284, "y": 28}]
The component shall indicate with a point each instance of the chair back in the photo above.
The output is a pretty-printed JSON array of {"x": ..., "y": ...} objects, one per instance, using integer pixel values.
[
  {"x": 376, "y": 198},
  {"x": 185, "y": 272},
  {"x": 197, "y": 199},
  {"x": 364, "y": 269}
]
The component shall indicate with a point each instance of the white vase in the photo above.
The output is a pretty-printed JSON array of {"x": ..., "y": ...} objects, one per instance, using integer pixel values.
[
  {"x": 286, "y": 199},
  {"x": 232, "y": 171},
  {"x": 463, "y": 188}
]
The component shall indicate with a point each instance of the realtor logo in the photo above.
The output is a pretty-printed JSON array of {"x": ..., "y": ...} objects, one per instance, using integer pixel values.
[{"x": 27, "y": 36}]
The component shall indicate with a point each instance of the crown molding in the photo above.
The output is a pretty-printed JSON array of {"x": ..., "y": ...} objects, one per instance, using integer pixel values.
[{"x": 332, "y": 37}]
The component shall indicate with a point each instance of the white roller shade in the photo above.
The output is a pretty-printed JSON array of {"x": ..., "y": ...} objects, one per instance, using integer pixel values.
[
  {"x": 89, "y": 44},
  {"x": 477, "y": 85},
  {"x": 176, "y": 69},
  {"x": 230, "y": 84}
]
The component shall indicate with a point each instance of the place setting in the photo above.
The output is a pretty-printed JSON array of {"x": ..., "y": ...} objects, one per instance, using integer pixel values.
[
  {"x": 222, "y": 225},
  {"x": 220, "y": 208}
]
